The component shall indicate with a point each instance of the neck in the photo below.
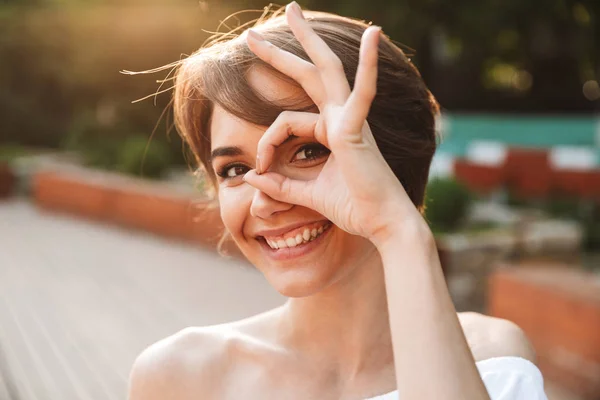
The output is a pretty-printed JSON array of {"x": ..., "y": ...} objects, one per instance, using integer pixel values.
[{"x": 345, "y": 327}]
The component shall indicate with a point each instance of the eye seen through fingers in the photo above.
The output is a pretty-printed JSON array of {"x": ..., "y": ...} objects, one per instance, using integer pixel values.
[
  {"x": 310, "y": 152},
  {"x": 307, "y": 155}
]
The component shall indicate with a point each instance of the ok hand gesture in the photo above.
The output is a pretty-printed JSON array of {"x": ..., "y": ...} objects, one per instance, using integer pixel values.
[{"x": 356, "y": 189}]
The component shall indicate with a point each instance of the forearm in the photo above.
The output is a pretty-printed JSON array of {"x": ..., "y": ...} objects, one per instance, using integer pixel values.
[{"x": 431, "y": 355}]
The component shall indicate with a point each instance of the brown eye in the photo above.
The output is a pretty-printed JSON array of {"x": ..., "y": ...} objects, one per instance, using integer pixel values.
[
  {"x": 232, "y": 170},
  {"x": 311, "y": 152},
  {"x": 235, "y": 171}
]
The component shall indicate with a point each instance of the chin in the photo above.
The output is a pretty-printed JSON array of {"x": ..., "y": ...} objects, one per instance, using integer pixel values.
[
  {"x": 304, "y": 270},
  {"x": 301, "y": 273},
  {"x": 300, "y": 283}
]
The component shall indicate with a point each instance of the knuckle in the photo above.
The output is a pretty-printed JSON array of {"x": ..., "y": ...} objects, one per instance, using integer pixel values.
[
  {"x": 281, "y": 121},
  {"x": 285, "y": 188},
  {"x": 310, "y": 71},
  {"x": 313, "y": 73},
  {"x": 335, "y": 64},
  {"x": 271, "y": 53},
  {"x": 285, "y": 115},
  {"x": 286, "y": 119}
]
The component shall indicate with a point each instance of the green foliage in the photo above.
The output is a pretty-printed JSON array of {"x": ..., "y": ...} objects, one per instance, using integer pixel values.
[
  {"x": 591, "y": 235},
  {"x": 61, "y": 58},
  {"x": 10, "y": 151},
  {"x": 114, "y": 147},
  {"x": 516, "y": 201},
  {"x": 140, "y": 156},
  {"x": 586, "y": 212},
  {"x": 590, "y": 220},
  {"x": 97, "y": 144},
  {"x": 447, "y": 204},
  {"x": 564, "y": 207}
]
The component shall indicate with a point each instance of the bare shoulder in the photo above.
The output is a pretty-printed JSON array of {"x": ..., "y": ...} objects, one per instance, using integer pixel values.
[
  {"x": 179, "y": 367},
  {"x": 490, "y": 337}
]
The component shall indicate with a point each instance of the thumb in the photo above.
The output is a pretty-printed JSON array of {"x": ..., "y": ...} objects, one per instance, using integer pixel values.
[{"x": 281, "y": 188}]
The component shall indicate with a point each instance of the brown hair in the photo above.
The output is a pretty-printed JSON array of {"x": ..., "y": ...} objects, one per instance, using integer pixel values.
[{"x": 402, "y": 116}]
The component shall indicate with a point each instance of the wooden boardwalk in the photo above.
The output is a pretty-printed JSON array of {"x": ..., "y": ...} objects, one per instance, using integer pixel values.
[{"x": 79, "y": 301}]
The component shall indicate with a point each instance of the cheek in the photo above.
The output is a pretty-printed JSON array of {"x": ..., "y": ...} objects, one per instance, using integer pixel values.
[{"x": 234, "y": 204}]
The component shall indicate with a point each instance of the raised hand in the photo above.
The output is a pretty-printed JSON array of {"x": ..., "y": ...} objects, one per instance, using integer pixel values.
[{"x": 356, "y": 189}]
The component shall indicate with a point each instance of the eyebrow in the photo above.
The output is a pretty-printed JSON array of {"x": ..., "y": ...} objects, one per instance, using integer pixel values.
[
  {"x": 228, "y": 151},
  {"x": 232, "y": 151}
]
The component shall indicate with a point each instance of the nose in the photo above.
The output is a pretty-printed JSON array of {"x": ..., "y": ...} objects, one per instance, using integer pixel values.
[{"x": 264, "y": 206}]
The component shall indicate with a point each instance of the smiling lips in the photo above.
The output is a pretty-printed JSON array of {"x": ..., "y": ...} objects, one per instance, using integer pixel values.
[{"x": 298, "y": 236}]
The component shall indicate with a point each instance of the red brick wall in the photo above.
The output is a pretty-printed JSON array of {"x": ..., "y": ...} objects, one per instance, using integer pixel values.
[
  {"x": 528, "y": 173},
  {"x": 480, "y": 178},
  {"x": 152, "y": 207},
  {"x": 559, "y": 310}
]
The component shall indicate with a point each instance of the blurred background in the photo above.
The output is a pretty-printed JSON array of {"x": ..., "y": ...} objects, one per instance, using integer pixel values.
[{"x": 106, "y": 240}]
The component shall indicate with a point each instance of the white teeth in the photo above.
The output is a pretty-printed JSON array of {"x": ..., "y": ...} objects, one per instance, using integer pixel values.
[{"x": 306, "y": 234}]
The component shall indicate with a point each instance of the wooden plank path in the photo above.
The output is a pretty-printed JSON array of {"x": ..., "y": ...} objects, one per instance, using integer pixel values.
[{"x": 80, "y": 300}]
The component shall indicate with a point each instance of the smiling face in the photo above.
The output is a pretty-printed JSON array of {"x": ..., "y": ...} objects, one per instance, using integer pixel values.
[{"x": 298, "y": 250}]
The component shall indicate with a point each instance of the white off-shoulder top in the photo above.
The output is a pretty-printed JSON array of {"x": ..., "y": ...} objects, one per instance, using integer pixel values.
[{"x": 505, "y": 378}]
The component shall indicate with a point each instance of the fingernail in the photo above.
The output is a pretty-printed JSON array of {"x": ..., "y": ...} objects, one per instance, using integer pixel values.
[
  {"x": 258, "y": 168},
  {"x": 255, "y": 35},
  {"x": 296, "y": 9}
]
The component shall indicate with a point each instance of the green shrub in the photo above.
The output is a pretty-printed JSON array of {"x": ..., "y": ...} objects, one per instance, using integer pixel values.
[
  {"x": 584, "y": 211},
  {"x": 564, "y": 207},
  {"x": 591, "y": 235},
  {"x": 140, "y": 156},
  {"x": 118, "y": 146},
  {"x": 447, "y": 204},
  {"x": 97, "y": 144},
  {"x": 590, "y": 221},
  {"x": 10, "y": 151}
]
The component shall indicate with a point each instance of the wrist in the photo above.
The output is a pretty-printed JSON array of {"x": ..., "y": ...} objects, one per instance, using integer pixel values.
[{"x": 412, "y": 233}]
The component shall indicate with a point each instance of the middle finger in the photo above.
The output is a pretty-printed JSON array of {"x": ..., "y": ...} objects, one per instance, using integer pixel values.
[{"x": 303, "y": 72}]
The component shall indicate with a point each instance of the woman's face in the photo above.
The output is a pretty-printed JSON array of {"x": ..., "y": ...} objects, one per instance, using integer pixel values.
[{"x": 297, "y": 249}]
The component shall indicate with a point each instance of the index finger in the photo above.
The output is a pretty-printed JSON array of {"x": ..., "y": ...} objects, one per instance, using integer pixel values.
[
  {"x": 287, "y": 124},
  {"x": 329, "y": 64}
]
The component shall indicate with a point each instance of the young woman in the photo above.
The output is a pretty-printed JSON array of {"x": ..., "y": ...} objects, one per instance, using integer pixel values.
[{"x": 317, "y": 133}]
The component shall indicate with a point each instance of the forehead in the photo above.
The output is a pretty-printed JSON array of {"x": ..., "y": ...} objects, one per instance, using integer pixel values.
[{"x": 228, "y": 130}]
